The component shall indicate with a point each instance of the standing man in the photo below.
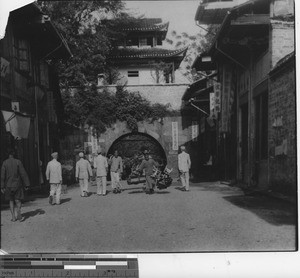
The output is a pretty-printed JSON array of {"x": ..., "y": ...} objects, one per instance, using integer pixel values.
[
  {"x": 54, "y": 177},
  {"x": 184, "y": 165},
  {"x": 116, "y": 169},
  {"x": 101, "y": 166},
  {"x": 148, "y": 164},
  {"x": 12, "y": 176},
  {"x": 83, "y": 174}
]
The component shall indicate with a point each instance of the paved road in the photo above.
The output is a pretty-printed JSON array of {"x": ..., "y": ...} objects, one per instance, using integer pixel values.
[{"x": 211, "y": 217}]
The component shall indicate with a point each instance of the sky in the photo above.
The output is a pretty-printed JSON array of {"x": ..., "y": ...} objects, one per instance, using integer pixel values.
[{"x": 180, "y": 13}]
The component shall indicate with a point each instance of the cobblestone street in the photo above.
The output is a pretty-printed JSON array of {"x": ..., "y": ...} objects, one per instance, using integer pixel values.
[{"x": 211, "y": 217}]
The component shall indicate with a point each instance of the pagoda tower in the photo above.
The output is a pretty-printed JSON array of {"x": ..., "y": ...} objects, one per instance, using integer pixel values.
[{"x": 141, "y": 57}]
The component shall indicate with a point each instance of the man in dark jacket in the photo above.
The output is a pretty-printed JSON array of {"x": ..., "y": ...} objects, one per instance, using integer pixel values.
[
  {"x": 13, "y": 176},
  {"x": 148, "y": 164}
]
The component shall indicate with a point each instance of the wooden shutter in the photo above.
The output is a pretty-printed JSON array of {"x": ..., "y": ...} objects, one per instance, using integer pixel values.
[
  {"x": 50, "y": 105},
  {"x": 44, "y": 74},
  {"x": 23, "y": 52}
]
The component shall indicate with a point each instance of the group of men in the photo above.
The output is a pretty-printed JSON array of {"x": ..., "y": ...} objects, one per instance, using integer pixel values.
[
  {"x": 14, "y": 176},
  {"x": 84, "y": 173}
]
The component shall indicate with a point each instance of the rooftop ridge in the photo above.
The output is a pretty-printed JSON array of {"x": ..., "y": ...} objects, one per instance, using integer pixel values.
[
  {"x": 149, "y": 52},
  {"x": 157, "y": 26}
]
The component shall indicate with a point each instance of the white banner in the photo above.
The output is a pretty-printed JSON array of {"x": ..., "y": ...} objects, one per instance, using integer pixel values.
[
  {"x": 212, "y": 103},
  {"x": 226, "y": 92},
  {"x": 215, "y": 102},
  {"x": 195, "y": 130},
  {"x": 175, "y": 136}
]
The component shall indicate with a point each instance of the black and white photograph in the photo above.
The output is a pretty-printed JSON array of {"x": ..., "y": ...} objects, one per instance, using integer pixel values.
[{"x": 148, "y": 126}]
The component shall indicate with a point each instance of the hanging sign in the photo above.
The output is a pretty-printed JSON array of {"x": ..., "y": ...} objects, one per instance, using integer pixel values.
[
  {"x": 195, "y": 131},
  {"x": 202, "y": 125},
  {"x": 217, "y": 96},
  {"x": 226, "y": 93},
  {"x": 214, "y": 100}
]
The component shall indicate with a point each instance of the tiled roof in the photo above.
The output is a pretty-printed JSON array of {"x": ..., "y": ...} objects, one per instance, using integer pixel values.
[
  {"x": 152, "y": 52},
  {"x": 146, "y": 24}
]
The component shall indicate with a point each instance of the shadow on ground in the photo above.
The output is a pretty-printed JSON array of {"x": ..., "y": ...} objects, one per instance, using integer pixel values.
[
  {"x": 180, "y": 188},
  {"x": 33, "y": 213},
  {"x": 137, "y": 191},
  {"x": 201, "y": 179},
  {"x": 162, "y": 192},
  {"x": 214, "y": 187},
  {"x": 274, "y": 211},
  {"x": 65, "y": 200},
  {"x": 29, "y": 197},
  {"x": 132, "y": 188}
]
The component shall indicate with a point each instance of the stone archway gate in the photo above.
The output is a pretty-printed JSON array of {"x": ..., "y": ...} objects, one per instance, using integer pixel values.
[{"x": 162, "y": 132}]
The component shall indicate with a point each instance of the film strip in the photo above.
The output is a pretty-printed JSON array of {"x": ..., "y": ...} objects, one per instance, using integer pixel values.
[{"x": 59, "y": 266}]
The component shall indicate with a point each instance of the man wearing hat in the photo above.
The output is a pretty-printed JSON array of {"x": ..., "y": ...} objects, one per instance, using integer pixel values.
[
  {"x": 101, "y": 166},
  {"x": 14, "y": 180},
  {"x": 184, "y": 165},
  {"x": 116, "y": 170},
  {"x": 83, "y": 173},
  {"x": 54, "y": 177},
  {"x": 148, "y": 164}
]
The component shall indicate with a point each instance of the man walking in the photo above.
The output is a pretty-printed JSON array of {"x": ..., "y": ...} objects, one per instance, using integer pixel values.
[
  {"x": 184, "y": 165},
  {"x": 54, "y": 177},
  {"x": 116, "y": 169},
  {"x": 101, "y": 166},
  {"x": 83, "y": 174},
  {"x": 12, "y": 176},
  {"x": 148, "y": 164}
]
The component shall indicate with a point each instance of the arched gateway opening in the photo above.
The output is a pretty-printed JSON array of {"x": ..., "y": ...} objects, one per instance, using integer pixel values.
[{"x": 132, "y": 145}]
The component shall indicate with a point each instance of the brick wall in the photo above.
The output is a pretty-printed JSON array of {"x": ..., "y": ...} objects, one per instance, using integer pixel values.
[
  {"x": 282, "y": 41},
  {"x": 282, "y": 127}
]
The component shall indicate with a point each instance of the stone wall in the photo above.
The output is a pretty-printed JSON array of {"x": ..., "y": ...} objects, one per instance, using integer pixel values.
[
  {"x": 162, "y": 132},
  {"x": 158, "y": 93},
  {"x": 282, "y": 130},
  {"x": 282, "y": 40}
]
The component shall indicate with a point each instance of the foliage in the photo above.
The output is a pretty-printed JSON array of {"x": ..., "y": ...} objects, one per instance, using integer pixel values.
[
  {"x": 198, "y": 43},
  {"x": 101, "y": 109},
  {"x": 158, "y": 71},
  {"x": 132, "y": 108},
  {"x": 86, "y": 106},
  {"x": 89, "y": 35}
]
